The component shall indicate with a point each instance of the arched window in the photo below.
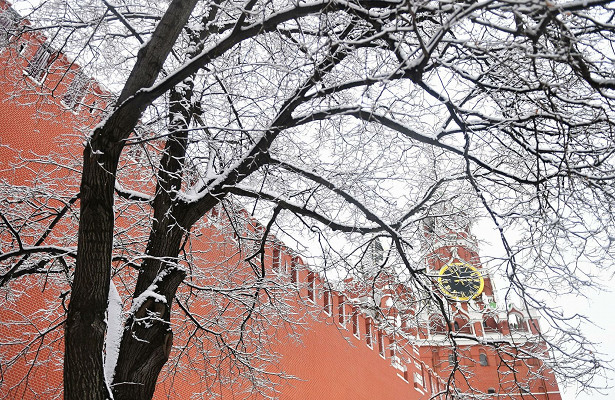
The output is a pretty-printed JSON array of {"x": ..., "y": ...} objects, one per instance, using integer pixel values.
[
  {"x": 489, "y": 324},
  {"x": 456, "y": 326},
  {"x": 436, "y": 325},
  {"x": 515, "y": 322},
  {"x": 482, "y": 359}
]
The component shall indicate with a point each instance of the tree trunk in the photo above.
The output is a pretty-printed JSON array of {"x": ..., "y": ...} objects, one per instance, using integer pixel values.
[
  {"x": 85, "y": 326},
  {"x": 147, "y": 341}
]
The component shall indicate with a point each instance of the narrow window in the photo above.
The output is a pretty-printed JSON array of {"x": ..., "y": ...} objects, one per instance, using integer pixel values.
[
  {"x": 342, "y": 309},
  {"x": 328, "y": 300},
  {"x": 491, "y": 390},
  {"x": 275, "y": 262},
  {"x": 456, "y": 326},
  {"x": 451, "y": 359},
  {"x": 39, "y": 64},
  {"x": 355, "y": 324},
  {"x": 482, "y": 359},
  {"x": 368, "y": 332},
  {"x": 381, "y": 344},
  {"x": 393, "y": 350},
  {"x": 294, "y": 272},
  {"x": 311, "y": 288},
  {"x": 76, "y": 90}
]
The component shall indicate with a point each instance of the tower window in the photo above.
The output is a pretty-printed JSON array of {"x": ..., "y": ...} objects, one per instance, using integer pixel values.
[
  {"x": 377, "y": 253},
  {"x": 482, "y": 359},
  {"x": 491, "y": 390},
  {"x": 516, "y": 322}
]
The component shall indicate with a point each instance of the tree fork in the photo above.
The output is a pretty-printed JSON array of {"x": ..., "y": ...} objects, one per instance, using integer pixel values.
[{"x": 85, "y": 326}]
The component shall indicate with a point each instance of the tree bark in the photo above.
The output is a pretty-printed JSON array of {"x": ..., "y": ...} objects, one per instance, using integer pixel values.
[
  {"x": 85, "y": 326},
  {"x": 148, "y": 337}
]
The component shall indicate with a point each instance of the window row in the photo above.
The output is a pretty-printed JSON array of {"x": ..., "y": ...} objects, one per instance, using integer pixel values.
[{"x": 39, "y": 64}]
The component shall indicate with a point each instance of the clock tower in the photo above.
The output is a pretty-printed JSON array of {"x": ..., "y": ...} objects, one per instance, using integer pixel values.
[
  {"x": 473, "y": 343},
  {"x": 452, "y": 260}
]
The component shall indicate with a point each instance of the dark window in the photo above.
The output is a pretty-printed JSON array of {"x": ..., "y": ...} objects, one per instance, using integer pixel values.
[
  {"x": 76, "y": 90},
  {"x": 437, "y": 325},
  {"x": 294, "y": 272},
  {"x": 342, "y": 309},
  {"x": 328, "y": 302},
  {"x": 355, "y": 324},
  {"x": 275, "y": 262},
  {"x": 39, "y": 64},
  {"x": 482, "y": 359},
  {"x": 451, "y": 359},
  {"x": 491, "y": 390},
  {"x": 368, "y": 331}
]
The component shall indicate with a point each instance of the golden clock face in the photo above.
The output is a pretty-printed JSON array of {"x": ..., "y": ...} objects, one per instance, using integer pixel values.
[{"x": 460, "y": 281}]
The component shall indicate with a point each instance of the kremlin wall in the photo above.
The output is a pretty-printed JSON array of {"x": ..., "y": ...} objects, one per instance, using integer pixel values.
[{"x": 346, "y": 340}]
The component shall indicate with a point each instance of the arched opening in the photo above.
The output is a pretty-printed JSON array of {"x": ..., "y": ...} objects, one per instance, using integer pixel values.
[
  {"x": 489, "y": 324},
  {"x": 437, "y": 325},
  {"x": 516, "y": 322}
]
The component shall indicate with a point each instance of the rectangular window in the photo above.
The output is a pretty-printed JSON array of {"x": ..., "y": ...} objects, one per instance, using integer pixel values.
[
  {"x": 328, "y": 300},
  {"x": 311, "y": 287},
  {"x": 392, "y": 350},
  {"x": 342, "y": 309},
  {"x": 38, "y": 67},
  {"x": 76, "y": 90},
  {"x": 294, "y": 272},
  {"x": 381, "y": 348},
  {"x": 275, "y": 262},
  {"x": 355, "y": 324},
  {"x": 368, "y": 332}
]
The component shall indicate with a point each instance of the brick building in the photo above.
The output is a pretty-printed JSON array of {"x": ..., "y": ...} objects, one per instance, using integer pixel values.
[{"x": 356, "y": 342}]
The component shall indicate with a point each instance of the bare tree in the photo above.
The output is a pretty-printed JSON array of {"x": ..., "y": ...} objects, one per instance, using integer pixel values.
[{"x": 351, "y": 119}]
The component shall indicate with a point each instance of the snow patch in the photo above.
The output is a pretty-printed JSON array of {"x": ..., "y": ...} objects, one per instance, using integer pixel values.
[{"x": 115, "y": 327}]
